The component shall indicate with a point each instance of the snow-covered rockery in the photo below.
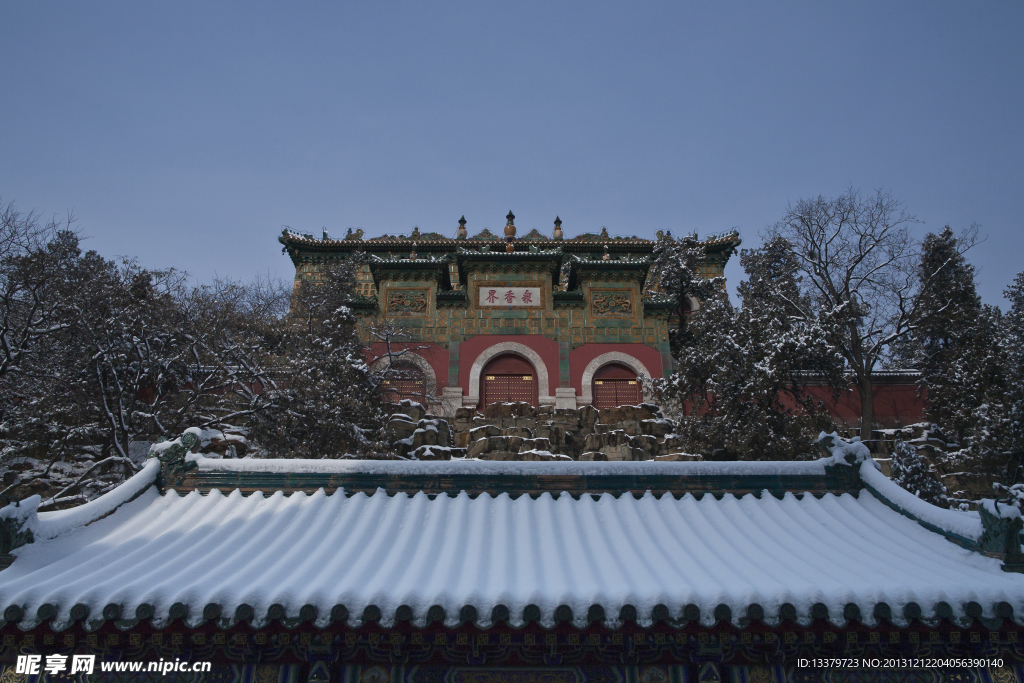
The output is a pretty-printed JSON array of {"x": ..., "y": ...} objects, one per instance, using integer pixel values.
[{"x": 387, "y": 541}]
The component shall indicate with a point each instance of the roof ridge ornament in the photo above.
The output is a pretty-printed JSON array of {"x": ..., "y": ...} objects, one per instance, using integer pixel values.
[
  {"x": 510, "y": 231},
  {"x": 461, "y": 234},
  {"x": 557, "y": 234}
]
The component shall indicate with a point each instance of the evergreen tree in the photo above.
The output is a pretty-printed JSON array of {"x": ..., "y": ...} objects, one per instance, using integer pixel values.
[
  {"x": 911, "y": 471},
  {"x": 956, "y": 344},
  {"x": 677, "y": 272},
  {"x": 741, "y": 372},
  {"x": 330, "y": 404},
  {"x": 1012, "y": 339}
]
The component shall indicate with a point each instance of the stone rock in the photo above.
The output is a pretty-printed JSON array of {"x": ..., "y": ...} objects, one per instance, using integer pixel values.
[
  {"x": 886, "y": 465},
  {"x": 587, "y": 417},
  {"x": 631, "y": 427},
  {"x": 644, "y": 411},
  {"x": 606, "y": 440},
  {"x": 594, "y": 455},
  {"x": 657, "y": 427},
  {"x": 444, "y": 433},
  {"x": 503, "y": 410},
  {"x": 477, "y": 448},
  {"x": 483, "y": 431},
  {"x": 399, "y": 428},
  {"x": 527, "y": 423},
  {"x": 672, "y": 444},
  {"x": 539, "y": 455},
  {"x": 648, "y": 445},
  {"x": 974, "y": 485},
  {"x": 425, "y": 437},
  {"x": 535, "y": 445},
  {"x": 413, "y": 410},
  {"x": 431, "y": 453}
]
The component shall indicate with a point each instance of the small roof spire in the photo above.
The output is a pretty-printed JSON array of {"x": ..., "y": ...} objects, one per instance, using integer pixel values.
[
  {"x": 462, "y": 221},
  {"x": 510, "y": 227},
  {"x": 558, "y": 222}
]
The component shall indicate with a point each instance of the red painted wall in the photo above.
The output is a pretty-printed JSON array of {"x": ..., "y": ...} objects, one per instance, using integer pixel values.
[
  {"x": 470, "y": 349},
  {"x": 896, "y": 403},
  {"x": 580, "y": 358},
  {"x": 435, "y": 354}
]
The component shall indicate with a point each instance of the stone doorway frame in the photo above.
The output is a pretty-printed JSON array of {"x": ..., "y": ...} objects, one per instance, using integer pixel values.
[
  {"x": 587, "y": 382},
  {"x": 500, "y": 349}
]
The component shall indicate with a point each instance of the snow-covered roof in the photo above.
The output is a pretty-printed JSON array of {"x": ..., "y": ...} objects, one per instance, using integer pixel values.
[
  {"x": 512, "y": 467},
  {"x": 417, "y": 557}
]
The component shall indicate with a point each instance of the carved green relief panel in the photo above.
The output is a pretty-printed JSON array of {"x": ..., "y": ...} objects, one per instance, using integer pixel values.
[
  {"x": 407, "y": 302},
  {"x": 612, "y": 303}
]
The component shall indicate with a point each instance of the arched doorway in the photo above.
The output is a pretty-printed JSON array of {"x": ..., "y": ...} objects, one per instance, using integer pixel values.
[
  {"x": 508, "y": 379},
  {"x": 616, "y": 385},
  {"x": 405, "y": 381}
]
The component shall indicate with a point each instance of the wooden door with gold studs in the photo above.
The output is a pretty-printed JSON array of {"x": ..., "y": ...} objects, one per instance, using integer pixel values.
[
  {"x": 616, "y": 385},
  {"x": 509, "y": 379}
]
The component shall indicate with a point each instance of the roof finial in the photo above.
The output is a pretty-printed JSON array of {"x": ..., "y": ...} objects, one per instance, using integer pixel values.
[
  {"x": 510, "y": 227},
  {"x": 415, "y": 232},
  {"x": 461, "y": 235},
  {"x": 557, "y": 234}
]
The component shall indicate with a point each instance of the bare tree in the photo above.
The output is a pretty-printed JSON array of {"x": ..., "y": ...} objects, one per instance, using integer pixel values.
[
  {"x": 859, "y": 263},
  {"x": 389, "y": 351},
  {"x": 31, "y": 258}
]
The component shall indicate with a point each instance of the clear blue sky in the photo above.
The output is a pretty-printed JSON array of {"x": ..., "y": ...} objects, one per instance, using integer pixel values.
[{"x": 189, "y": 133}]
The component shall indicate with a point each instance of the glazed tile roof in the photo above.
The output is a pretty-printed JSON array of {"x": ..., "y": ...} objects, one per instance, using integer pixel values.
[
  {"x": 436, "y": 240},
  {"x": 419, "y": 557}
]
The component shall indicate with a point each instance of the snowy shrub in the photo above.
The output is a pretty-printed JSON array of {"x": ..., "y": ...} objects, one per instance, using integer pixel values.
[{"x": 910, "y": 470}]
